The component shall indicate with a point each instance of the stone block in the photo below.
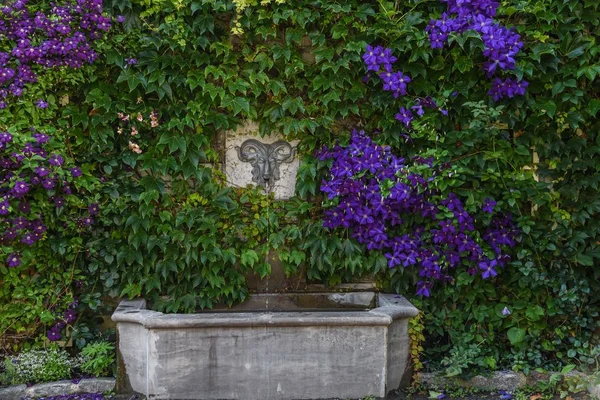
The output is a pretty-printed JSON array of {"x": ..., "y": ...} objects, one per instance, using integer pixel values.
[
  {"x": 239, "y": 173},
  {"x": 64, "y": 387},
  {"x": 594, "y": 391},
  {"x": 499, "y": 380},
  {"x": 96, "y": 385},
  {"x": 267, "y": 355},
  {"x": 49, "y": 389},
  {"x": 15, "y": 392}
]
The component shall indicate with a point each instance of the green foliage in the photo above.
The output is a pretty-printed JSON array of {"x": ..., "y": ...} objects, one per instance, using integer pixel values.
[
  {"x": 7, "y": 372},
  {"x": 169, "y": 228},
  {"x": 172, "y": 229},
  {"x": 417, "y": 337},
  {"x": 173, "y": 232},
  {"x": 564, "y": 384},
  {"x": 97, "y": 359},
  {"x": 40, "y": 365},
  {"x": 51, "y": 266}
]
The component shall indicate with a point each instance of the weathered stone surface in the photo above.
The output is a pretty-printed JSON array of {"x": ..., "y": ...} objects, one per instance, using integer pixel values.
[
  {"x": 258, "y": 302},
  {"x": 398, "y": 353},
  {"x": 263, "y": 355},
  {"x": 365, "y": 286},
  {"x": 593, "y": 385},
  {"x": 132, "y": 357},
  {"x": 239, "y": 174},
  {"x": 15, "y": 392},
  {"x": 535, "y": 377},
  {"x": 594, "y": 390},
  {"x": 286, "y": 362},
  {"x": 500, "y": 380},
  {"x": 49, "y": 389},
  {"x": 96, "y": 385},
  {"x": 509, "y": 381}
]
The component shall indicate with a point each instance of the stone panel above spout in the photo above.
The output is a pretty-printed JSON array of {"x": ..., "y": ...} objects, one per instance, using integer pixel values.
[{"x": 270, "y": 162}]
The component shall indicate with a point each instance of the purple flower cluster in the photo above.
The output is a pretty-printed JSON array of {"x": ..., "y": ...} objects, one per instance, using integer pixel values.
[
  {"x": 507, "y": 88},
  {"x": 379, "y": 59},
  {"x": 35, "y": 40},
  {"x": 390, "y": 208},
  {"x": 68, "y": 317},
  {"x": 26, "y": 171},
  {"x": 501, "y": 44},
  {"x": 76, "y": 396}
]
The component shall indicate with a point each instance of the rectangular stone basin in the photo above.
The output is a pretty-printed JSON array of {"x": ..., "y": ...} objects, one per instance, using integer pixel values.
[{"x": 274, "y": 346}]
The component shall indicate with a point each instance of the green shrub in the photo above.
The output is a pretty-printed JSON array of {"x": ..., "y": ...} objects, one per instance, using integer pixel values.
[
  {"x": 7, "y": 372},
  {"x": 39, "y": 365},
  {"x": 97, "y": 359}
]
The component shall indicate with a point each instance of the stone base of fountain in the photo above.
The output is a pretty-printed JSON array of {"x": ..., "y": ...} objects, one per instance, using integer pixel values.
[{"x": 274, "y": 346}]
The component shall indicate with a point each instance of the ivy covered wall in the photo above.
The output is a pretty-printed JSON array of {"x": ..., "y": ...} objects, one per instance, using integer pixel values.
[{"x": 142, "y": 120}]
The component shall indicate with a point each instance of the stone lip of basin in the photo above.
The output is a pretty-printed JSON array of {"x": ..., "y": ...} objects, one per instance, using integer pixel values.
[{"x": 274, "y": 346}]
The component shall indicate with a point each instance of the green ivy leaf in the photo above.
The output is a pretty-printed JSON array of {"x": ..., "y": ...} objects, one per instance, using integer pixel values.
[
  {"x": 593, "y": 107},
  {"x": 516, "y": 335},
  {"x": 249, "y": 258},
  {"x": 534, "y": 313},
  {"x": 238, "y": 104}
]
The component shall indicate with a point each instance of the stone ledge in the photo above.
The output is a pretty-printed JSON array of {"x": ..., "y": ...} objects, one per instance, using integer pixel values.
[
  {"x": 390, "y": 308},
  {"x": 504, "y": 380},
  {"x": 594, "y": 391},
  {"x": 93, "y": 385},
  {"x": 500, "y": 380},
  {"x": 13, "y": 392},
  {"x": 594, "y": 387}
]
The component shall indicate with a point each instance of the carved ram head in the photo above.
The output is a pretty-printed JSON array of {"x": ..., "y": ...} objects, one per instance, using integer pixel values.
[{"x": 265, "y": 160}]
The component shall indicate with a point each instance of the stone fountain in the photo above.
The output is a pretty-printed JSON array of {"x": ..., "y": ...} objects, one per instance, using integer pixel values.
[{"x": 306, "y": 345}]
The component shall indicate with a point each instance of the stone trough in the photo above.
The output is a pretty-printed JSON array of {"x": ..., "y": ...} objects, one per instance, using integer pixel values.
[{"x": 274, "y": 346}]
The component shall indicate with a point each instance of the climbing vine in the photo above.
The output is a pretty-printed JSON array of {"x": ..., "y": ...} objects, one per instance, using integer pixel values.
[{"x": 168, "y": 228}]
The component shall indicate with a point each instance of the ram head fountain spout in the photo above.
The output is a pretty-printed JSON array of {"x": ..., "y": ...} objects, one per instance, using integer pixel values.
[{"x": 265, "y": 160}]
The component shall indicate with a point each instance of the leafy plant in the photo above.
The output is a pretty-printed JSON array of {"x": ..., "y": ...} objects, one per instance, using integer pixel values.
[
  {"x": 42, "y": 365},
  {"x": 417, "y": 337},
  {"x": 45, "y": 187},
  {"x": 97, "y": 359},
  {"x": 7, "y": 372}
]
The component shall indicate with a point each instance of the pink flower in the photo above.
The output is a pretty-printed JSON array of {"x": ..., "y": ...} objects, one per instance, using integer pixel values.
[{"x": 135, "y": 148}]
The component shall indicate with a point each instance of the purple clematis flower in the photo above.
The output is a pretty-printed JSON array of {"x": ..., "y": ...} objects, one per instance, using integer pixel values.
[
  {"x": 41, "y": 104},
  {"x": 405, "y": 116},
  {"x": 487, "y": 268},
  {"x": 488, "y": 205},
  {"x": 75, "y": 172},
  {"x": 13, "y": 260}
]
